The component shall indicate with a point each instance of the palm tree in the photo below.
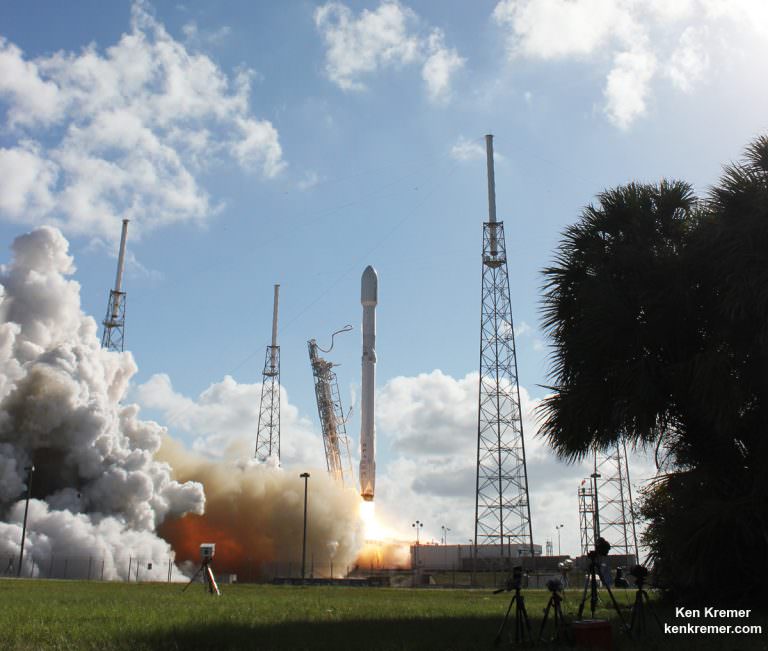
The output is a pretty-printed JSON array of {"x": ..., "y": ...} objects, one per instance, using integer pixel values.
[{"x": 657, "y": 307}]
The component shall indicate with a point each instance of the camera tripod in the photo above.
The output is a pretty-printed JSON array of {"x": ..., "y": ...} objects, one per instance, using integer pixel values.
[
  {"x": 591, "y": 585},
  {"x": 555, "y": 599},
  {"x": 637, "y": 621},
  {"x": 522, "y": 623},
  {"x": 210, "y": 581}
]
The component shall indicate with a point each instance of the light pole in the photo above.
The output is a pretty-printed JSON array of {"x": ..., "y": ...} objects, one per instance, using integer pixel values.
[
  {"x": 305, "y": 477},
  {"x": 30, "y": 470},
  {"x": 445, "y": 534},
  {"x": 558, "y": 527},
  {"x": 417, "y": 525},
  {"x": 595, "y": 476}
]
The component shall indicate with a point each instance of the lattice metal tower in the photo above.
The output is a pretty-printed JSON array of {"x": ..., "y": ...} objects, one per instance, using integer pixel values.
[
  {"x": 113, "y": 337},
  {"x": 329, "y": 409},
  {"x": 617, "y": 523},
  {"x": 606, "y": 509},
  {"x": 586, "y": 497},
  {"x": 502, "y": 506},
  {"x": 268, "y": 431}
]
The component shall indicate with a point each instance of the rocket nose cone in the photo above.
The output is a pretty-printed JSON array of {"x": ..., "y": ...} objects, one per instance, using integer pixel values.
[{"x": 369, "y": 287}]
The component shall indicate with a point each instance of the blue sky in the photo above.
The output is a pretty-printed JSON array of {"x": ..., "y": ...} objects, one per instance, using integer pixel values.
[{"x": 298, "y": 142}]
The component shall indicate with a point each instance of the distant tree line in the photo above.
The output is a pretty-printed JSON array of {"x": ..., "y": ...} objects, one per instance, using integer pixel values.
[{"x": 657, "y": 308}]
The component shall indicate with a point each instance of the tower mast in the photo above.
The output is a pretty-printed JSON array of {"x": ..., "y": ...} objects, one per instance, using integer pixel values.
[
  {"x": 268, "y": 430},
  {"x": 113, "y": 337},
  {"x": 502, "y": 505}
]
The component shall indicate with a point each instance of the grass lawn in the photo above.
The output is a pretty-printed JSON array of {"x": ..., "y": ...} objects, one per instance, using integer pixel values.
[{"x": 41, "y": 614}]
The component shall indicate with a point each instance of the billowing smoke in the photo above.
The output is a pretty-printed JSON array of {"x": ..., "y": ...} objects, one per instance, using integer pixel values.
[
  {"x": 107, "y": 499},
  {"x": 255, "y": 515},
  {"x": 98, "y": 493}
]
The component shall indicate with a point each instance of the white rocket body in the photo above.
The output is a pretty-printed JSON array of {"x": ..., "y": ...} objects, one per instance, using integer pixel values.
[{"x": 369, "y": 297}]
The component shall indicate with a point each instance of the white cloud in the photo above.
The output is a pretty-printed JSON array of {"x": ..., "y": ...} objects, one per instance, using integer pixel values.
[
  {"x": 309, "y": 181},
  {"x": 627, "y": 87},
  {"x": 554, "y": 29},
  {"x": 690, "y": 60},
  {"x": 629, "y": 39},
  {"x": 469, "y": 150},
  {"x": 121, "y": 133},
  {"x": 387, "y": 37},
  {"x": 430, "y": 424},
  {"x": 439, "y": 67},
  {"x": 224, "y": 418}
]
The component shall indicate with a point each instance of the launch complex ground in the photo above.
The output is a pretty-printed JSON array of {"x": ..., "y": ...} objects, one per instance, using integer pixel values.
[{"x": 111, "y": 616}]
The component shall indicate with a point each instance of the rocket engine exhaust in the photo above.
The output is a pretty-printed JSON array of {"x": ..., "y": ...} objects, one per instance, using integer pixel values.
[{"x": 369, "y": 297}]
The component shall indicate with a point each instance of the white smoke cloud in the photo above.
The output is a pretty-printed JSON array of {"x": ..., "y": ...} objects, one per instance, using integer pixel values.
[
  {"x": 98, "y": 490},
  {"x": 97, "y": 136}
]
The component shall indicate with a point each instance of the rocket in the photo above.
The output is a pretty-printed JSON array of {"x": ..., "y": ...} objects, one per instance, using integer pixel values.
[{"x": 369, "y": 297}]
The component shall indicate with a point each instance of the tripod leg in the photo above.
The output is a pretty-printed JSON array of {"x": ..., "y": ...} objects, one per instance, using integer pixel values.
[
  {"x": 192, "y": 580},
  {"x": 653, "y": 612},
  {"x": 583, "y": 598},
  {"x": 616, "y": 608},
  {"x": 524, "y": 621},
  {"x": 497, "y": 639},
  {"x": 546, "y": 616}
]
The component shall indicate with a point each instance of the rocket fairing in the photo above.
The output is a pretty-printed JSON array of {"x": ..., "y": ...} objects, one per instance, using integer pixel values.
[{"x": 369, "y": 297}]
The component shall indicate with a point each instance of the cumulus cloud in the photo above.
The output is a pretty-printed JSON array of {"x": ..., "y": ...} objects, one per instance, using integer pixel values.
[
  {"x": 635, "y": 42},
  {"x": 223, "y": 420},
  {"x": 389, "y": 37},
  {"x": 468, "y": 150},
  {"x": 122, "y": 133},
  {"x": 430, "y": 424}
]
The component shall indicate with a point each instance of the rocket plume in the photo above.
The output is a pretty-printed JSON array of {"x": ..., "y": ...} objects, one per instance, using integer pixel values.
[
  {"x": 97, "y": 490},
  {"x": 254, "y": 514}
]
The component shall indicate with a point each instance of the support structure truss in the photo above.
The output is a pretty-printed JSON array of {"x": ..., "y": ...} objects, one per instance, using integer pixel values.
[
  {"x": 502, "y": 505},
  {"x": 268, "y": 431},
  {"x": 332, "y": 420},
  {"x": 113, "y": 337}
]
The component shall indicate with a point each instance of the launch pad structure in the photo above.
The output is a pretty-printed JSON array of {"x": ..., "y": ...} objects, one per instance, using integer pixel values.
[
  {"x": 113, "y": 337},
  {"x": 268, "y": 429},
  {"x": 329, "y": 409},
  {"x": 605, "y": 505},
  {"x": 502, "y": 505}
]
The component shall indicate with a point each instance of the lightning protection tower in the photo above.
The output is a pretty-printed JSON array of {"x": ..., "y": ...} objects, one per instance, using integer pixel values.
[
  {"x": 502, "y": 506},
  {"x": 605, "y": 504},
  {"x": 113, "y": 337},
  {"x": 329, "y": 409},
  {"x": 268, "y": 431}
]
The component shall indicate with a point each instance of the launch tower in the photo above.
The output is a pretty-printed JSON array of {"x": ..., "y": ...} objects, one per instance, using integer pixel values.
[
  {"x": 268, "y": 431},
  {"x": 329, "y": 409},
  {"x": 502, "y": 507},
  {"x": 605, "y": 504},
  {"x": 113, "y": 337}
]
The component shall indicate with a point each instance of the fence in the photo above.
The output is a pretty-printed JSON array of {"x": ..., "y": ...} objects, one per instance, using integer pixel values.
[{"x": 93, "y": 568}]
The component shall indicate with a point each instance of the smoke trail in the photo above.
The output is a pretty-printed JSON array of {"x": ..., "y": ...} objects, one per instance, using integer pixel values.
[
  {"x": 254, "y": 514},
  {"x": 98, "y": 490}
]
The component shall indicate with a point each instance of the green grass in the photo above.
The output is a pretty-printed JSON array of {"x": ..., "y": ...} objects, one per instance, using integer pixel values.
[{"x": 82, "y": 615}]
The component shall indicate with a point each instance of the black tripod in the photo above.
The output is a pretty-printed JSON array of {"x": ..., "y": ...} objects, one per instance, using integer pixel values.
[
  {"x": 637, "y": 622},
  {"x": 210, "y": 582},
  {"x": 522, "y": 623},
  {"x": 553, "y": 604},
  {"x": 591, "y": 583}
]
